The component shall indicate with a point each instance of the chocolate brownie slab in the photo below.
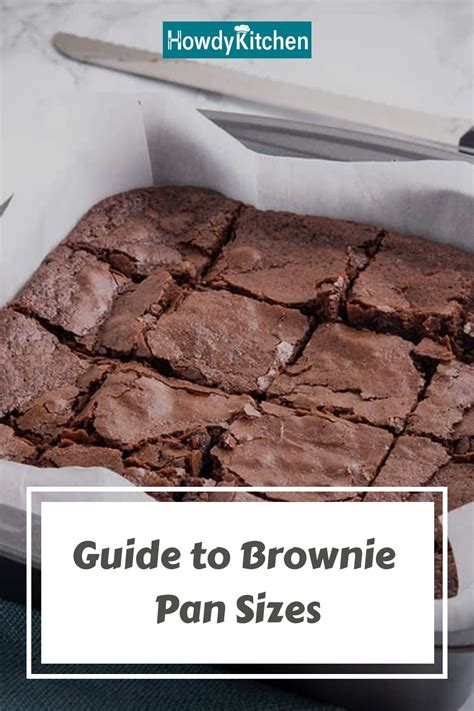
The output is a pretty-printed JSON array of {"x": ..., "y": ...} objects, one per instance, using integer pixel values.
[
  {"x": 91, "y": 303},
  {"x": 414, "y": 288},
  {"x": 447, "y": 403},
  {"x": 178, "y": 228},
  {"x": 294, "y": 260},
  {"x": 226, "y": 340},
  {"x": 279, "y": 447},
  {"x": 359, "y": 375},
  {"x": 227, "y": 296}
]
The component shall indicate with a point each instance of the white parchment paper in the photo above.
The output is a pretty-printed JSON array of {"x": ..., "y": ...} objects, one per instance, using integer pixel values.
[{"x": 88, "y": 147}]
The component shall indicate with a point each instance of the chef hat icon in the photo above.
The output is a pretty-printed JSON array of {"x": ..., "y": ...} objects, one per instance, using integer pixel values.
[{"x": 242, "y": 28}]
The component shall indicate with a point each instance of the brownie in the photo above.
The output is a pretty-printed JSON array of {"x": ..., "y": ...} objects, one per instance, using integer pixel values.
[
  {"x": 135, "y": 311},
  {"x": 180, "y": 456},
  {"x": 15, "y": 447},
  {"x": 244, "y": 496},
  {"x": 134, "y": 405},
  {"x": 178, "y": 228},
  {"x": 152, "y": 422},
  {"x": 413, "y": 289},
  {"x": 71, "y": 454},
  {"x": 444, "y": 411},
  {"x": 32, "y": 362},
  {"x": 459, "y": 478},
  {"x": 413, "y": 461},
  {"x": 294, "y": 260},
  {"x": 73, "y": 291},
  {"x": 92, "y": 305},
  {"x": 279, "y": 447},
  {"x": 374, "y": 381},
  {"x": 226, "y": 340},
  {"x": 182, "y": 339}
]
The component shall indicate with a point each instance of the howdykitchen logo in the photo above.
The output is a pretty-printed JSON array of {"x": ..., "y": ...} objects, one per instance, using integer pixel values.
[{"x": 237, "y": 40}]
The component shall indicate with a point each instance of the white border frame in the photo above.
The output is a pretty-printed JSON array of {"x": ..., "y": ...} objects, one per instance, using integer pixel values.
[{"x": 30, "y": 490}]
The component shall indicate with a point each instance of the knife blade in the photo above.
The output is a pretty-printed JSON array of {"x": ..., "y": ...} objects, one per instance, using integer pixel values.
[
  {"x": 280, "y": 94},
  {"x": 275, "y": 136}
]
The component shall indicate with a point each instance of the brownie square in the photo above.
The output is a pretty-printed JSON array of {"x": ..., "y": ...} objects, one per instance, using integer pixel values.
[
  {"x": 359, "y": 375},
  {"x": 226, "y": 340},
  {"x": 413, "y": 287},
  {"x": 178, "y": 228},
  {"x": 447, "y": 402},
  {"x": 294, "y": 260},
  {"x": 156, "y": 423},
  {"x": 32, "y": 362},
  {"x": 96, "y": 307},
  {"x": 73, "y": 291},
  {"x": 134, "y": 405},
  {"x": 279, "y": 447},
  {"x": 71, "y": 454},
  {"x": 413, "y": 461},
  {"x": 134, "y": 312}
]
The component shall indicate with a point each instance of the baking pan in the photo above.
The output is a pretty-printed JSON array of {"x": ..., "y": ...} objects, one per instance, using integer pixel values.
[{"x": 117, "y": 144}]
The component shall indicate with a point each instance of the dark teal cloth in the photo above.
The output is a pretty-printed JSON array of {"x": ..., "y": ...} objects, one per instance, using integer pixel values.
[{"x": 20, "y": 694}]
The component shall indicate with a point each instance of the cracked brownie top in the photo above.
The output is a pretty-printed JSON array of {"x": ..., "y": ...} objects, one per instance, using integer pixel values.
[
  {"x": 178, "y": 228},
  {"x": 414, "y": 289},
  {"x": 359, "y": 375},
  {"x": 226, "y": 340},
  {"x": 178, "y": 337},
  {"x": 294, "y": 260}
]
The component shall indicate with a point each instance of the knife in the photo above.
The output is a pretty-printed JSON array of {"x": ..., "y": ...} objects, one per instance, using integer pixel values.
[
  {"x": 357, "y": 113},
  {"x": 275, "y": 136}
]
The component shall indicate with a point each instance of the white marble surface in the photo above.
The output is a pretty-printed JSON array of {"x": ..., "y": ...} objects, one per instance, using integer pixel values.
[{"x": 403, "y": 52}]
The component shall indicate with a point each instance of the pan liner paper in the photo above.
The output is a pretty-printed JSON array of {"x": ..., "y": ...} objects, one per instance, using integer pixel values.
[{"x": 90, "y": 146}]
